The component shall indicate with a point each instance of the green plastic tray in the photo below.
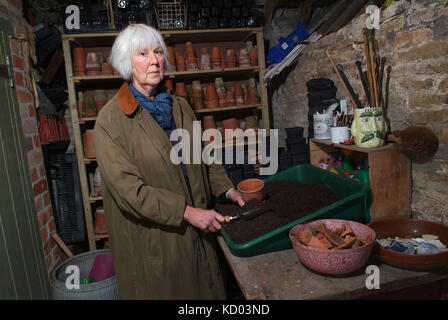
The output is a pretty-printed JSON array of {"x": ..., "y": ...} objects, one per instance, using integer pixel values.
[{"x": 354, "y": 206}]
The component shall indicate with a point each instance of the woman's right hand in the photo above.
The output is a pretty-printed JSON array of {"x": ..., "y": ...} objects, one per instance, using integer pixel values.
[{"x": 206, "y": 220}]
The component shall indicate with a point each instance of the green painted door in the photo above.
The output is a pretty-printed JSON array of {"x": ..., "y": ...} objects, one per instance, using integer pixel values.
[{"x": 23, "y": 274}]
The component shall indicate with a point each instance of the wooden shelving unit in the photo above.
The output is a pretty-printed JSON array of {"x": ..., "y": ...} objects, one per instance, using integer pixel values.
[
  {"x": 223, "y": 38},
  {"x": 389, "y": 176}
]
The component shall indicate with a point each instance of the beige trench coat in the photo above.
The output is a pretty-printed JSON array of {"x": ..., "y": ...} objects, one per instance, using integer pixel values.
[{"x": 156, "y": 254}]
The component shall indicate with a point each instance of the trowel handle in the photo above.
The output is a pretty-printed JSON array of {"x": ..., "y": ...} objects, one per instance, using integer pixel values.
[{"x": 229, "y": 219}]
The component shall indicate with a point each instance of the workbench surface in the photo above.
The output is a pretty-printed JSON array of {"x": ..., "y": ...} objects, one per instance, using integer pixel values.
[{"x": 281, "y": 276}]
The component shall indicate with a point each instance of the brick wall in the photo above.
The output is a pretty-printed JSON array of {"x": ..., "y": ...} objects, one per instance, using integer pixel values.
[
  {"x": 413, "y": 36},
  {"x": 11, "y": 10}
]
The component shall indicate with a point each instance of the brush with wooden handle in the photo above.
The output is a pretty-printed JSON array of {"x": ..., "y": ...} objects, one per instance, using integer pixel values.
[{"x": 418, "y": 143}]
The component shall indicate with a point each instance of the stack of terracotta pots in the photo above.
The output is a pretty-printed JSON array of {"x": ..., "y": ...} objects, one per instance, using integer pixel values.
[
  {"x": 221, "y": 91},
  {"x": 89, "y": 149},
  {"x": 231, "y": 124},
  {"x": 100, "y": 221},
  {"x": 239, "y": 94},
  {"x": 180, "y": 62},
  {"x": 211, "y": 97},
  {"x": 252, "y": 92},
  {"x": 106, "y": 69},
  {"x": 205, "y": 60},
  {"x": 93, "y": 65},
  {"x": 192, "y": 63},
  {"x": 171, "y": 59},
  {"x": 230, "y": 58},
  {"x": 216, "y": 58},
  {"x": 181, "y": 90},
  {"x": 89, "y": 108},
  {"x": 208, "y": 122},
  {"x": 79, "y": 62},
  {"x": 244, "y": 59},
  {"x": 230, "y": 98},
  {"x": 253, "y": 53},
  {"x": 100, "y": 99},
  {"x": 169, "y": 85},
  {"x": 197, "y": 95}
]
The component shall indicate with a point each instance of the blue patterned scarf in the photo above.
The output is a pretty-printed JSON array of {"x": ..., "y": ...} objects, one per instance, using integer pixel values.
[{"x": 160, "y": 108}]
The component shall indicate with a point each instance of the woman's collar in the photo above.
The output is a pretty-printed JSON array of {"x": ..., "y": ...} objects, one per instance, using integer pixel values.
[{"x": 127, "y": 101}]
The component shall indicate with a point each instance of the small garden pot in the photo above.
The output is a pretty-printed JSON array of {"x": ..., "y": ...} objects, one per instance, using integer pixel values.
[
  {"x": 180, "y": 63},
  {"x": 216, "y": 58},
  {"x": 181, "y": 91},
  {"x": 169, "y": 85},
  {"x": 239, "y": 94},
  {"x": 100, "y": 221},
  {"x": 106, "y": 69},
  {"x": 253, "y": 53},
  {"x": 89, "y": 107},
  {"x": 252, "y": 189},
  {"x": 230, "y": 99},
  {"x": 100, "y": 99},
  {"x": 171, "y": 59},
  {"x": 211, "y": 97},
  {"x": 205, "y": 60},
  {"x": 93, "y": 65},
  {"x": 230, "y": 58},
  {"x": 244, "y": 59},
  {"x": 209, "y": 122},
  {"x": 79, "y": 61},
  {"x": 89, "y": 149}
]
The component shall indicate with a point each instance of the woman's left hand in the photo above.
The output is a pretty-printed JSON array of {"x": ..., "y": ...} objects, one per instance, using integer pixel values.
[{"x": 236, "y": 197}]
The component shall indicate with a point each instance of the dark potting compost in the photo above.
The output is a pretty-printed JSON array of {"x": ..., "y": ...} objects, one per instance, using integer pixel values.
[{"x": 287, "y": 200}]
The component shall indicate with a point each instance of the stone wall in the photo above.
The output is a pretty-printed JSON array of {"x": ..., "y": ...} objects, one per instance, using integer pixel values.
[
  {"x": 413, "y": 36},
  {"x": 11, "y": 10}
]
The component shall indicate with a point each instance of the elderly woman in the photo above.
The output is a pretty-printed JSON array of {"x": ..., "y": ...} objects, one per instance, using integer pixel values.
[{"x": 160, "y": 226}]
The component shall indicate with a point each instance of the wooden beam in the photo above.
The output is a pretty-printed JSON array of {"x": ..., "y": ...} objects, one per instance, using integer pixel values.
[{"x": 269, "y": 6}]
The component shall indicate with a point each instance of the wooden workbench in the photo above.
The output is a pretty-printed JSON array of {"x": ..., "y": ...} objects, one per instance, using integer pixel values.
[{"x": 281, "y": 276}]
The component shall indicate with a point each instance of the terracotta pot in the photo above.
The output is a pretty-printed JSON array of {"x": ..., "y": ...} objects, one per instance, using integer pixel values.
[
  {"x": 253, "y": 53},
  {"x": 253, "y": 97},
  {"x": 216, "y": 58},
  {"x": 251, "y": 122},
  {"x": 211, "y": 97},
  {"x": 89, "y": 149},
  {"x": 100, "y": 221},
  {"x": 79, "y": 61},
  {"x": 89, "y": 107},
  {"x": 230, "y": 58},
  {"x": 181, "y": 63},
  {"x": 208, "y": 122},
  {"x": 239, "y": 94},
  {"x": 80, "y": 112},
  {"x": 169, "y": 85},
  {"x": 205, "y": 60},
  {"x": 189, "y": 47},
  {"x": 106, "y": 69},
  {"x": 171, "y": 59},
  {"x": 93, "y": 65},
  {"x": 223, "y": 61},
  {"x": 197, "y": 95},
  {"x": 100, "y": 99},
  {"x": 181, "y": 91},
  {"x": 192, "y": 64},
  {"x": 244, "y": 59},
  {"x": 252, "y": 189},
  {"x": 230, "y": 123},
  {"x": 230, "y": 99}
]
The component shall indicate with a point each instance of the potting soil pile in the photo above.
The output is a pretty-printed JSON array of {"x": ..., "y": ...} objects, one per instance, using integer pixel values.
[{"x": 288, "y": 200}]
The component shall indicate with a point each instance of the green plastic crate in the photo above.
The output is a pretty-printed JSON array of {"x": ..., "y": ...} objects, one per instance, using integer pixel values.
[{"x": 353, "y": 205}]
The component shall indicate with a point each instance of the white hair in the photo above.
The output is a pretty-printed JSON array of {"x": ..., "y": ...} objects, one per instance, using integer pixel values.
[{"x": 133, "y": 38}]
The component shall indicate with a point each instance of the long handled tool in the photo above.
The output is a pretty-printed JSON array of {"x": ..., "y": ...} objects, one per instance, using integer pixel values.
[
  {"x": 380, "y": 83},
  {"x": 363, "y": 80},
  {"x": 248, "y": 215},
  {"x": 370, "y": 42},
  {"x": 348, "y": 85},
  {"x": 369, "y": 69},
  {"x": 352, "y": 97}
]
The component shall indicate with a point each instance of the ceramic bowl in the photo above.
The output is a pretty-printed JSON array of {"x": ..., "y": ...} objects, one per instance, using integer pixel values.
[
  {"x": 334, "y": 262},
  {"x": 252, "y": 189},
  {"x": 401, "y": 227}
]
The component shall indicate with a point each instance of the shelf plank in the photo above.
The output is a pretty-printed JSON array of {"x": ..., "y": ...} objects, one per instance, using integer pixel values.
[
  {"x": 249, "y": 106},
  {"x": 101, "y": 236},
  {"x": 206, "y": 35},
  {"x": 89, "y": 160},
  {"x": 211, "y": 72},
  {"x": 95, "y": 199},
  {"x": 352, "y": 147}
]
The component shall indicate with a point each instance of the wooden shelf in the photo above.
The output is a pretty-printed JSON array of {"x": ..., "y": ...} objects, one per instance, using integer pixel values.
[
  {"x": 210, "y": 35},
  {"x": 101, "y": 236},
  {"x": 211, "y": 73},
  {"x": 95, "y": 199},
  {"x": 247, "y": 106},
  {"x": 352, "y": 147}
]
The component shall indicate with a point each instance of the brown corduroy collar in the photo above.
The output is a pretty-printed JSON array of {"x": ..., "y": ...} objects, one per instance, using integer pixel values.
[{"x": 127, "y": 101}]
